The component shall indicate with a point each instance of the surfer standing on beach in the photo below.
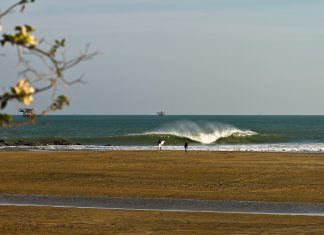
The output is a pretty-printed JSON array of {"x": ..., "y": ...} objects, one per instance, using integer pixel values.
[
  {"x": 160, "y": 144},
  {"x": 186, "y": 147}
]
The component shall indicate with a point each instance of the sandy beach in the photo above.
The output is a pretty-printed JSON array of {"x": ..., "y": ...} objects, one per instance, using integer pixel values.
[
  {"x": 278, "y": 177},
  {"x": 271, "y": 177},
  {"x": 43, "y": 220},
  {"x": 196, "y": 117}
]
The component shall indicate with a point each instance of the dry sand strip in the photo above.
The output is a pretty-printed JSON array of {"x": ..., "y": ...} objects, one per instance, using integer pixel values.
[{"x": 164, "y": 204}]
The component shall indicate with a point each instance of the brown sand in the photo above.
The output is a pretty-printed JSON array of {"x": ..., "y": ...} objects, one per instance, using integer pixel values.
[
  {"x": 202, "y": 175},
  {"x": 42, "y": 220}
]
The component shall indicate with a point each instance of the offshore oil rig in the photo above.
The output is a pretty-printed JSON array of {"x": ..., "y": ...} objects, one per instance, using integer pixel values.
[{"x": 26, "y": 112}]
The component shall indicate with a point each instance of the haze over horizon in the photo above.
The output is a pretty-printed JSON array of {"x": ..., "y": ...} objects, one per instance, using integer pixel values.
[{"x": 185, "y": 57}]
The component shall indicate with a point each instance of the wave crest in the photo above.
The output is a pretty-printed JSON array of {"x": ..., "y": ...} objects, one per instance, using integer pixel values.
[{"x": 205, "y": 133}]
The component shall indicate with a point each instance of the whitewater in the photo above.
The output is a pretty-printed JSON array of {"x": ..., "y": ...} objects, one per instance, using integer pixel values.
[
  {"x": 205, "y": 133},
  {"x": 297, "y": 148}
]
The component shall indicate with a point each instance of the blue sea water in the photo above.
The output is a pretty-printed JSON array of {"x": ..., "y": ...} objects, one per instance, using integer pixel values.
[{"x": 224, "y": 133}]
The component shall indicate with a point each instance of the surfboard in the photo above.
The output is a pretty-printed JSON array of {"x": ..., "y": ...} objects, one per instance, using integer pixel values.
[{"x": 162, "y": 142}]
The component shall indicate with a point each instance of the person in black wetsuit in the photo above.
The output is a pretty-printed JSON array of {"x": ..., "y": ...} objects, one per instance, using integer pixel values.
[{"x": 186, "y": 147}]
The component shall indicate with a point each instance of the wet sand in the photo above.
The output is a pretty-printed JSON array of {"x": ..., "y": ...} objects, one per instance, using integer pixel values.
[{"x": 165, "y": 204}]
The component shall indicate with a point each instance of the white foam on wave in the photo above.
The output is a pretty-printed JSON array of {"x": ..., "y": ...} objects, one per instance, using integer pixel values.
[
  {"x": 205, "y": 133},
  {"x": 291, "y": 147}
]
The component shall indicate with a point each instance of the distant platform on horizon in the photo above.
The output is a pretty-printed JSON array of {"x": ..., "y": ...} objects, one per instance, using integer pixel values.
[{"x": 161, "y": 113}]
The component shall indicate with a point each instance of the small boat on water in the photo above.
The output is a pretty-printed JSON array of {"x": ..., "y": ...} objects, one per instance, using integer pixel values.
[
  {"x": 26, "y": 112},
  {"x": 161, "y": 113}
]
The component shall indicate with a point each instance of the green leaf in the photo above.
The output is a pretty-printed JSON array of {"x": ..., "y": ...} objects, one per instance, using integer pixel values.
[
  {"x": 4, "y": 104},
  {"x": 5, "y": 119}
]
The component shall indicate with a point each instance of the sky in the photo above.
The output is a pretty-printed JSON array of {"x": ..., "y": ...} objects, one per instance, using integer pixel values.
[{"x": 214, "y": 57}]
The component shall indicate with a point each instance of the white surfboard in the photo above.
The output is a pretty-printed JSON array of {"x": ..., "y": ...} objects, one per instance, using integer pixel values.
[{"x": 162, "y": 142}]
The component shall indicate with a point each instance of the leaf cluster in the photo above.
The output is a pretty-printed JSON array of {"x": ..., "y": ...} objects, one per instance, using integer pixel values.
[
  {"x": 22, "y": 37},
  {"x": 59, "y": 103},
  {"x": 57, "y": 44}
]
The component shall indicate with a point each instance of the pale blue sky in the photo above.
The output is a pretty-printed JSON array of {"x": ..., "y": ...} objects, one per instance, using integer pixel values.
[{"x": 187, "y": 56}]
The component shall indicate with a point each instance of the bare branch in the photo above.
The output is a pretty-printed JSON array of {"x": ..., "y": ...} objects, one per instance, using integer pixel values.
[
  {"x": 13, "y": 6},
  {"x": 53, "y": 67},
  {"x": 9, "y": 9}
]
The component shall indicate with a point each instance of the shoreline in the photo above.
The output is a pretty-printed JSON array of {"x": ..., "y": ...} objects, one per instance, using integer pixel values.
[{"x": 317, "y": 148}]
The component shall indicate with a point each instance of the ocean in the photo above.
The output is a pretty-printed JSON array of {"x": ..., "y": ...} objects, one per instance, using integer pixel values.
[{"x": 141, "y": 132}]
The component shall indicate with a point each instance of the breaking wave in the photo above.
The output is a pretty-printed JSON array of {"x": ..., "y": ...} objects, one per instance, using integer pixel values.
[{"x": 204, "y": 133}]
